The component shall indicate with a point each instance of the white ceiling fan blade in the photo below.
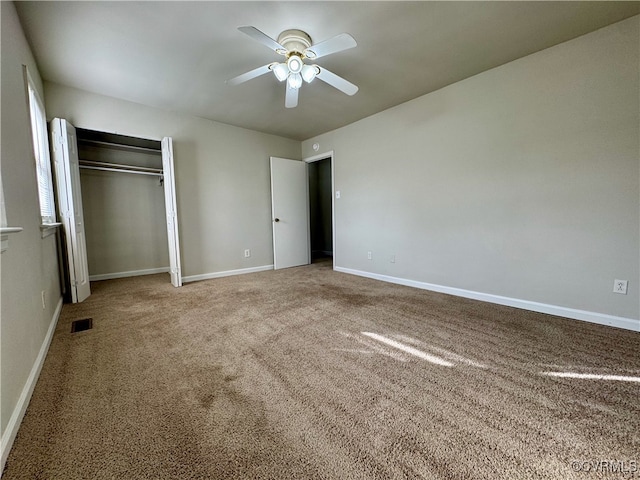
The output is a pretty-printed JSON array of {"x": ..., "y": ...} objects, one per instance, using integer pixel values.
[
  {"x": 341, "y": 42},
  {"x": 291, "y": 97},
  {"x": 336, "y": 81},
  {"x": 264, "y": 39},
  {"x": 256, "y": 72}
]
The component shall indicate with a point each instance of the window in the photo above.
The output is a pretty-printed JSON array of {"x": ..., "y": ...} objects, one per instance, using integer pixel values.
[{"x": 41, "y": 152}]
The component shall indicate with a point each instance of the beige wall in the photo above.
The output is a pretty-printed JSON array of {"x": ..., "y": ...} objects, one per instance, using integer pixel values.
[
  {"x": 222, "y": 175},
  {"x": 521, "y": 182},
  {"x": 30, "y": 264}
]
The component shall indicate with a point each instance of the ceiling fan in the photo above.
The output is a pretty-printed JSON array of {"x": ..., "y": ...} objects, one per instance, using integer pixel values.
[{"x": 297, "y": 47}]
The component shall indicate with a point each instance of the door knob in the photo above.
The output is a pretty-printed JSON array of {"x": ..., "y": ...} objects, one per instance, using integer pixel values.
[{"x": 276, "y": 220}]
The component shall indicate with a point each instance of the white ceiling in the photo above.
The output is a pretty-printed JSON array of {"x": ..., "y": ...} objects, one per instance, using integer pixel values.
[{"x": 177, "y": 55}]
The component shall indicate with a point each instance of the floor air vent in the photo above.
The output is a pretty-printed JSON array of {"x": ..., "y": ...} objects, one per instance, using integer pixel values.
[{"x": 80, "y": 325}]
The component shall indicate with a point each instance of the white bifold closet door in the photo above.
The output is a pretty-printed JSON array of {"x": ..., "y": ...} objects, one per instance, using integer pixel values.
[
  {"x": 67, "y": 169},
  {"x": 172, "y": 212}
]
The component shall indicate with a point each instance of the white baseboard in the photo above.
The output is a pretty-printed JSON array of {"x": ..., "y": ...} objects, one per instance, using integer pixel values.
[
  {"x": 227, "y": 273},
  {"x": 593, "y": 317},
  {"x": 132, "y": 273},
  {"x": 9, "y": 434}
]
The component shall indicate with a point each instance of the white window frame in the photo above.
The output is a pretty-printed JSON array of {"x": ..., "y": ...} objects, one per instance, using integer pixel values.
[{"x": 40, "y": 143}]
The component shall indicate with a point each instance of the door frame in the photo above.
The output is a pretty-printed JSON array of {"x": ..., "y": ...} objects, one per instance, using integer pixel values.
[{"x": 317, "y": 158}]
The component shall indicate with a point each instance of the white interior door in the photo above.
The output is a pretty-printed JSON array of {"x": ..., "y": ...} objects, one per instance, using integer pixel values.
[
  {"x": 172, "y": 212},
  {"x": 67, "y": 168},
  {"x": 290, "y": 213}
]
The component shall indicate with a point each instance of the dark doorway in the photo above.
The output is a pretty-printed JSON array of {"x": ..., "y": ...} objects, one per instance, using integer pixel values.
[{"x": 320, "y": 220}]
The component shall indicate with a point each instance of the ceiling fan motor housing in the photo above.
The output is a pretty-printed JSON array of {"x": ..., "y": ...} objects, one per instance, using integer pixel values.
[{"x": 295, "y": 41}]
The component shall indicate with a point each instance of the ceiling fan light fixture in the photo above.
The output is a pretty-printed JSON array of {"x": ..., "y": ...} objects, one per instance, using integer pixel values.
[
  {"x": 295, "y": 64},
  {"x": 294, "y": 81},
  {"x": 309, "y": 72},
  {"x": 281, "y": 71},
  {"x": 296, "y": 46}
]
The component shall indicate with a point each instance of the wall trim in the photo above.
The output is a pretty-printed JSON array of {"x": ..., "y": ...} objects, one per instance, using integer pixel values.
[
  {"x": 9, "y": 434},
  {"x": 227, "y": 273},
  {"x": 132, "y": 273},
  {"x": 593, "y": 317}
]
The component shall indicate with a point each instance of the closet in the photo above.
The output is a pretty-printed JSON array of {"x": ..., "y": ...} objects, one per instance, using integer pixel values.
[
  {"x": 115, "y": 196},
  {"x": 124, "y": 207}
]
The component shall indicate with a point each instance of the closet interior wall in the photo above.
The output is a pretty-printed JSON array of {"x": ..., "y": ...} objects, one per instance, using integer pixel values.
[{"x": 124, "y": 211}]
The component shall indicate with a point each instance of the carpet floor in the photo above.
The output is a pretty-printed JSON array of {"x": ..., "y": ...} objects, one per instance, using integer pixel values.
[{"x": 308, "y": 373}]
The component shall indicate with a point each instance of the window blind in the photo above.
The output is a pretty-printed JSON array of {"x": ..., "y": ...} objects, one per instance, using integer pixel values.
[{"x": 41, "y": 153}]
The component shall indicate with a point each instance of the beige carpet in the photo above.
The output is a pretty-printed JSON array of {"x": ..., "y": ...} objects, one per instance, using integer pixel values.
[{"x": 308, "y": 373}]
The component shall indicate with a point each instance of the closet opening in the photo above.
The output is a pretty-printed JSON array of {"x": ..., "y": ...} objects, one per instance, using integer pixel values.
[{"x": 123, "y": 199}]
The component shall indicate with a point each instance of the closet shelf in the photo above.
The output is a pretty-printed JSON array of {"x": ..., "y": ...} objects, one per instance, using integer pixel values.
[{"x": 118, "y": 146}]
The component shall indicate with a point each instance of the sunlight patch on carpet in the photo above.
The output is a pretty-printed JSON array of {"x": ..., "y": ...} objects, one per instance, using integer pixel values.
[
  {"x": 375, "y": 347},
  {"x": 410, "y": 350},
  {"x": 448, "y": 354},
  {"x": 591, "y": 376}
]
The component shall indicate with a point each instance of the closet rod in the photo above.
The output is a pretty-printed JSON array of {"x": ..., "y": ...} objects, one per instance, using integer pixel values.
[
  {"x": 120, "y": 146},
  {"x": 92, "y": 163},
  {"x": 123, "y": 170}
]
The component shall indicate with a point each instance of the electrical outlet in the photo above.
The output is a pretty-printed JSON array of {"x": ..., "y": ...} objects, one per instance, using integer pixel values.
[
  {"x": 392, "y": 259},
  {"x": 43, "y": 295},
  {"x": 620, "y": 286},
  {"x": 368, "y": 255},
  {"x": 247, "y": 253}
]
